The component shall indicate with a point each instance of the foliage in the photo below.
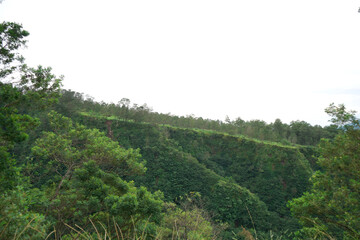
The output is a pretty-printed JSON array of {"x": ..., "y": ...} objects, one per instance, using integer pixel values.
[
  {"x": 188, "y": 221},
  {"x": 180, "y": 161},
  {"x": 92, "y": 194},
  {"x": 239, "y": 207},
  {"x": 11, "y": 39},
  {"x": 9, "y": 173},
  {"x": 255, "y": 165},
  {"x": 332, "y": 208},
  {"x": 13, "y": 125},
  {"x": 80, "y": 170},
  {"x": 297, "y": 132},
  {"x": 34, "y": 87},
  {"x": 84, "y": 167},
  {"x": 39, "y": 86},
  {"x": 69, "y": 145},
  {"x": 17, "y": 220}
]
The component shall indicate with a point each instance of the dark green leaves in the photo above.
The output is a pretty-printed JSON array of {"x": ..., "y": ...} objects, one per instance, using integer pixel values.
[
  {"x": 11, "y": 39},
  {"x": 332, "y": 207},
  {"x": 94, "y": 194}
]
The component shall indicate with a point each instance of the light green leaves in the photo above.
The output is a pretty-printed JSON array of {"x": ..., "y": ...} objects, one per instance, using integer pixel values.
[{"x": 68, "y": 146}]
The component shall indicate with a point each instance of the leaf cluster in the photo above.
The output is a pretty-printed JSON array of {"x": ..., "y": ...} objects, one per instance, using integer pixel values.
[{"x": 331, "y": 209}]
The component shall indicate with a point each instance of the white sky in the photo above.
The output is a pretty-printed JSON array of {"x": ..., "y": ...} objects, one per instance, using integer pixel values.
[{"x": 254, "y": 59}]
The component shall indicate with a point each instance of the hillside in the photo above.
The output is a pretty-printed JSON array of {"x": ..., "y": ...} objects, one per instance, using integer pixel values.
[
  {"x": 243, "y": 182},
  {"x": 74, "y": 168},
  {"x": 182, "y": 160}
]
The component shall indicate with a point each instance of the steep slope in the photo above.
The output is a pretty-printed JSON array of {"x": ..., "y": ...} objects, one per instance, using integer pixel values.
[
  {"x": 276, "y": 173},
  {"x": 180, "y": 161}
]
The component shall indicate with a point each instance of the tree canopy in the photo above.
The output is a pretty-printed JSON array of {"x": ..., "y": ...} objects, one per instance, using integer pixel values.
[{"x": 331, "y": 209}]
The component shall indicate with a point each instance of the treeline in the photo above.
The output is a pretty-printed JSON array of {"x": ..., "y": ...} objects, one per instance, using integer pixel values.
[{"x": 297, "y": 132}]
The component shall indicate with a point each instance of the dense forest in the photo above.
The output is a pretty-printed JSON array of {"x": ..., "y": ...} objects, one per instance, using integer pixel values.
[{"x": 74, "y": 168}]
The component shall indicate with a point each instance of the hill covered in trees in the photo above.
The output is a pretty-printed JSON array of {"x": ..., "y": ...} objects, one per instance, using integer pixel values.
[
  {"x": 73, "y": 168},
  {"x": 297, "y": 132}
]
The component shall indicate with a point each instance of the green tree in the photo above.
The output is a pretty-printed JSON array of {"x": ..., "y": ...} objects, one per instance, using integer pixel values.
[
  {"x": 331, "y": 209},
  {"x": 191, "y": 222},
  {"x": 69, "y": 145},
  {"x": 101, "y": 197},
  {"x": 11, "y": 39},
  {"x": 20, "y": 86},
  {"x": 279, "y": 129},
  {"x": 80, "y": 170},
  {"x": 239, "y": 207},
  {"x": 32, "y": 87}
]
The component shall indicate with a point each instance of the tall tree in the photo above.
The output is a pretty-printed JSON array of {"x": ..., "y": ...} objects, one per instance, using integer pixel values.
[
  {"x": 19, "y": 86},
  {"x": 331, "y": 209},
  {"x": 30, "y": 87}
]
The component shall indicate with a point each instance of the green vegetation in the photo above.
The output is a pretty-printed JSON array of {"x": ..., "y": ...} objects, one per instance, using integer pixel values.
[
  {"x": 297, "y": 132},
  {"x": 331, "y": 209},
  {"x": 72, "y": 168}
]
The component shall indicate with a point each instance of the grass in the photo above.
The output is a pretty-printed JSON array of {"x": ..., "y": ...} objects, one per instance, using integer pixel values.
[{"x": 18, "y": 234}]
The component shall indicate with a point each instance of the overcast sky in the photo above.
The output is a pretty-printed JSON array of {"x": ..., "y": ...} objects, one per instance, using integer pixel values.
[{"x": 254, "y": 59}]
